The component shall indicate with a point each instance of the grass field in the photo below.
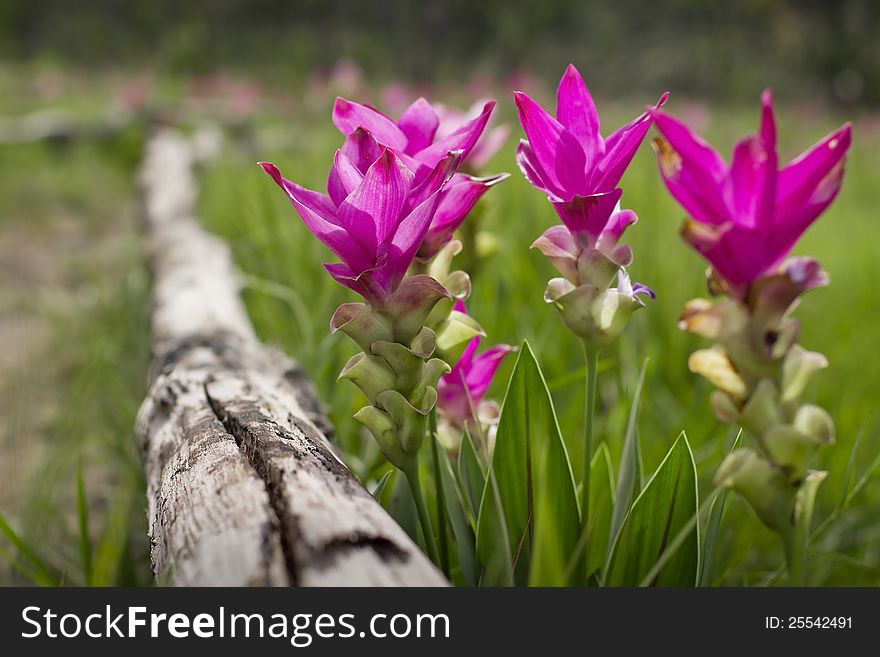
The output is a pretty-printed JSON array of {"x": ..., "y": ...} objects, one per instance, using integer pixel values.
[{"x": 70, "y": 397}]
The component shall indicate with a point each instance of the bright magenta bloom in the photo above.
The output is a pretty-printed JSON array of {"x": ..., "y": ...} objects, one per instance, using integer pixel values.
[
  {"x": 567, "y": 158},
  {"x": 376, "y": 213},
  {"x": 461, "y": 390},
  {"x": 747, "y": 217},
  {"x": 414, "y": 140}
]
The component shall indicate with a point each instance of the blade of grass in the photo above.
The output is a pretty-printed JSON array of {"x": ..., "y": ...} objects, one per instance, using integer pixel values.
[
  {"x": 17, "y": 565},
  {"x": 440, "y": 494},
  {"x": 626, "y": 474},
  {"x": 43, "y": 575},
  {"x": 82, "y": 514},
  {"x": 716, "y": 513}
]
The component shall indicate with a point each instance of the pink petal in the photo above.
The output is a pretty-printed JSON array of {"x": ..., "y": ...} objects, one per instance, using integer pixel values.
[
  {"x": 316, "y": 202},
  {"x": 588, "y": 215},
  {"x": 561, "y": 158},
  {"x": 620, "y": 148},
  {"x": 362, "y": 149},
  {"x": 614, "y": 229},
  {"x": 752, "y": 179},
  {"x": 765, "y": 191},
  {"x": 532, "y": 170},
  {"x": 483, "y": 369},
  {"x": 333, "y": 236},
  {"x": 576, "y": 111},
  {"x": 462, "y": 139},
  {"x": 457, "y": 199},
  {"x": 363, "y": 283},
  {"x": 452, "y": 400},
  {"x": 344, "y": 178},
  {"x": 691, "y": 147},
  {"x": 560, "y": 248},
  {"x": 738, "y": 253},
  {"x": 348, "y": 116},
  {"x": 486, "y": 147},
  {"x": 693, "y": 172},
  {"x": 464, "y": 362},
  {"x": 438, "y": 177},
  {"x": 399, "y": 253},
  {"x": 372, "y": 212},
  {"x": 419, "y": 123},
  {"x": 800, "y": 189},
  {"x": 789, "y": 228}
]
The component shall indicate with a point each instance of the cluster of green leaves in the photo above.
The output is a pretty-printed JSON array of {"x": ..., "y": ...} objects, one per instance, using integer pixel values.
[{"x": 518, "y": 522}]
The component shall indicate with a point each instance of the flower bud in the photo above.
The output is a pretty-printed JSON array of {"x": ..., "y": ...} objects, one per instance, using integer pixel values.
[
  {"x": 762, "y": 409},
  {"x": 715, "y": 321},
  {"x": 724, "y": 406},
  {"x": 790, "y": 450},
  {"x": 714, "y": 365},
  {"x": 369, "y": 373},
  {"x": 815, "y": 422},
  {"x": 797, "y": 370},
  {"x": 763, "y": 485}
]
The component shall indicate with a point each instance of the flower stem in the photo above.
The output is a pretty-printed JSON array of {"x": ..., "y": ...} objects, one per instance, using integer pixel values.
[
  {"x": 412, "y": 476},
  {"x": 441, "y": 497},
  {"x": 793, "y": 557},
  {"x": 591, "y": 360}
]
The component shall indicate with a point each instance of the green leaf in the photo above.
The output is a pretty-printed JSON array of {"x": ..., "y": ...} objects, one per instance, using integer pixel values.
[
  {"x": 630, "y": 462},
  {"x": 82, "y": 514},
  {"x": 804, "y": 505},
  {"x": 110, "y": 552},
  {"x": 665, "y": 507},
  {"x": 465, "y": 540},
  {"x": 601, "y": 505},
  {"x": 402, "y": 508},
  {"x": 472, "y": 476},
  {"x": 535, "y": 485},
  {"x": 713, "y": 526},
  {"x": 379, "y": 488}
]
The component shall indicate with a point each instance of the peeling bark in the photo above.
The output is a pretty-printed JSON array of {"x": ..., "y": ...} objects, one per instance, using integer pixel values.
[{"x": 243, "y": 486}]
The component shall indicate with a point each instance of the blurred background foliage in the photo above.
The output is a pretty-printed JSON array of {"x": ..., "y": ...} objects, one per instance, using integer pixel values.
[{"x": 826, "y": 49}]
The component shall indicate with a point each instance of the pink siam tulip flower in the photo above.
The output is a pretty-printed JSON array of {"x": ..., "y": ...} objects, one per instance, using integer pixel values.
[
  {"x": 375, "y": 215},
  {"x": 461, "y": 391},
  {"x": 487, "y": 145},
  {"x": 592, "y": 224},
  {"x": 746, "y": 217},
  {"x": 414, "y": 139},
  {"x": 567, "y": 158}
]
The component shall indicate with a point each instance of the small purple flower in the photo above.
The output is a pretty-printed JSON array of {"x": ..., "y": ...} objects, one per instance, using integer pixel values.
[
  {"x": 414, "y": 139},
  {"x": 567, "y": 158},
  {"x": 461, "y": 391},
  {"x": 375, "y": 215},
  {"x": 746, "y": 217}
]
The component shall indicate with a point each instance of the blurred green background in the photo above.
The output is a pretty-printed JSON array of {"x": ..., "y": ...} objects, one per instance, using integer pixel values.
[{"x": 74, "y": 288}]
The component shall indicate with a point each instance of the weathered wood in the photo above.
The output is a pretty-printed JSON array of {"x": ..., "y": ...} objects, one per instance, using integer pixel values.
[
  {"x": 243, "y": 486},
  {"x": 59, "y": 127}
]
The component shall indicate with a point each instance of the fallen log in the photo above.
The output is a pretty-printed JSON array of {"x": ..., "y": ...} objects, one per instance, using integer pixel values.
[
  {"x": 60, "y": 128},
  {"x": 243, "y": 487}
]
